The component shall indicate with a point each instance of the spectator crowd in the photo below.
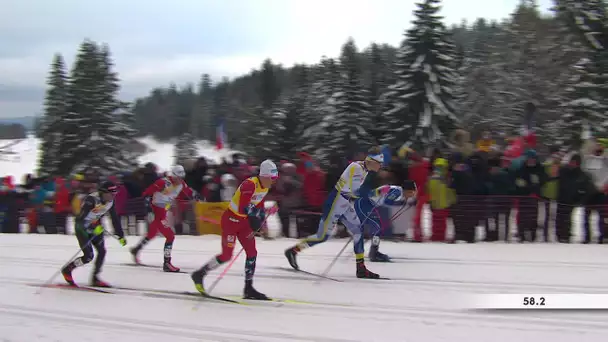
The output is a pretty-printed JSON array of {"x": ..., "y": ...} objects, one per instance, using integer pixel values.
[{"x": 513, "y": 190}]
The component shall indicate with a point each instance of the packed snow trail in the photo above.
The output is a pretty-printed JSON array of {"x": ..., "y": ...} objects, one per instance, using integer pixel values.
[{"x": 422, "y": 301}]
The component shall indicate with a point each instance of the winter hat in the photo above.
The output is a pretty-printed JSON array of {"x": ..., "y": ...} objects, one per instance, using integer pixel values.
[{"x": 269, "y": 169}]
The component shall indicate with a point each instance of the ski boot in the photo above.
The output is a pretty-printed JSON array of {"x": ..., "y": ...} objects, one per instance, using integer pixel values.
[
  {"x": 168, "y": 267},
  {"x": 250, "y": 293},
  {"x": 135, "y": 254},
  {"x": 364, "y": 273},
  {"x": 66, "y": 272},
  {"x": 198, "y": 278},
  {"x": 290, "y": 254},
  {"x": 376, "y": 256},
  {"x": 96, "y": 282}
]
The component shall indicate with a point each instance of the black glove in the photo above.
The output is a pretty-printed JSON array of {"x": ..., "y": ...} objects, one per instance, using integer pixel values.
[
  {"x": 148, "y": 204},
  {"x": 196, "y": 196},
  {"x": 255, "y": 216}
]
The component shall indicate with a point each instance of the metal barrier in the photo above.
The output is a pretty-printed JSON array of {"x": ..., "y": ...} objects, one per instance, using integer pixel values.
[{"x": 470, "y": 219}]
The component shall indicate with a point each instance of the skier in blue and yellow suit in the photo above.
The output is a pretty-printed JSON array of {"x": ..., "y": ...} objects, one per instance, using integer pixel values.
[{"x": 339, "y": 206}]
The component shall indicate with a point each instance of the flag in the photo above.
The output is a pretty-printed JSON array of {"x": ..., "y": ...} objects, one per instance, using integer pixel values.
[{"x": 220, "y": 137}]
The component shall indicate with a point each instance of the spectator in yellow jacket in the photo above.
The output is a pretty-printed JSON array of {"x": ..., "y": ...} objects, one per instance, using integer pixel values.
[{"x": 441, "y": 198}]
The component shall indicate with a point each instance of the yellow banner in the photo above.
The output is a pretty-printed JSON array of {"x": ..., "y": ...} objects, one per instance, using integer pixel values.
[{"x": 209, "y": 216}]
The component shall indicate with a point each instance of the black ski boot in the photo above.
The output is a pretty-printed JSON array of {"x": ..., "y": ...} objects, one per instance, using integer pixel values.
[
  {"x": 250, "y": 293},
  {"x": 168, "y": 267},
  {"x": 66, "y": 272},
  {"x": 376, "y": 256},
  {"x": 364, "y": 273},
  {"x": 198, "y": 277},
  {"x": 290, "y": 254}
]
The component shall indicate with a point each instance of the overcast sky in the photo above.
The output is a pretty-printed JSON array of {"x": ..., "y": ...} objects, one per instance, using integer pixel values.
[{"x": 155, "y": 42}]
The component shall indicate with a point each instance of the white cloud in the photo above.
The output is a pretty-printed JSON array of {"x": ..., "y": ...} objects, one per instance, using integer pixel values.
[{"x": 165, "y": 42}]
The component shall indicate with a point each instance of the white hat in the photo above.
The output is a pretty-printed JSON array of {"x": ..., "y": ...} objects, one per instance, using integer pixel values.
[
  {"x": 178, "y": 171},
  {"x": 269, "y": 169}
]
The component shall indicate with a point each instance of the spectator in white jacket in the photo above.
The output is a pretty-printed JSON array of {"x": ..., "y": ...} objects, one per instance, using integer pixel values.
[{"x": 595, "y": 162}]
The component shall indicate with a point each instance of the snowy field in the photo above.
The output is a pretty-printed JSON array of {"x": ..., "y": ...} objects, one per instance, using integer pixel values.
[
  {"x": 422, "y": 302},
  {"x": 20, "y": 157}
]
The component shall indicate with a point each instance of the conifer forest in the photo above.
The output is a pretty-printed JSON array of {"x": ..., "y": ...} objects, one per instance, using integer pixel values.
[{"x": 478, "y": 76}]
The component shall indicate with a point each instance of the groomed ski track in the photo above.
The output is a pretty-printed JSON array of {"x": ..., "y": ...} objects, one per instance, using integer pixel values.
[{"x": 425, "y": 299}]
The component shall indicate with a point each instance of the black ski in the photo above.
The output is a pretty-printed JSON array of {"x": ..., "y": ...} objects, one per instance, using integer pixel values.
[
  {"x": 151, "y": 266},
  {"x": 74, "y": 287},
  {"x": 307, "y": 272},
  {"x": 168, "y": 293}
]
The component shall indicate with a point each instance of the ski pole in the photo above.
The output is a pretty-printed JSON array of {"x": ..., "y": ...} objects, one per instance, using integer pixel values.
[
  {"x": 64, "y": 265},
  {"x": 221, "y": 276},
  {"x": 326, "y": 272}
]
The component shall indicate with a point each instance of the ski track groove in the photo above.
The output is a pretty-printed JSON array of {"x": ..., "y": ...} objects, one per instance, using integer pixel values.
[
  {"x": 359, "y": 311},
  {"x": 171, "y": 329},
  {"x": 397, "y": 315},
  {"x": 397, "y": 259},
  {"x": 267, "y": 273}
]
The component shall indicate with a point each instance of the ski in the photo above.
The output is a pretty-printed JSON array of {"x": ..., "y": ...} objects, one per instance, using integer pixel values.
[
  {"x": 308, "y": 273},
  {"x": 151, "y": 266},
  {"x": 74, "y": 287},
  {"x": 172, "y": 294}
]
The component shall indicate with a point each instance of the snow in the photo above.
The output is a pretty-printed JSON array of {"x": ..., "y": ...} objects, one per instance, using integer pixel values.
[
  {"x": 426, "y": 300},
  {"x": 24, "y": 156}
]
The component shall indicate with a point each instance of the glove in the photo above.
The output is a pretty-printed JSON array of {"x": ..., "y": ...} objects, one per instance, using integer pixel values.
[
  {"x": 252, "y": 211},
  {"x": 254, "y": 223},
  {"x": 148, "y": 204},
  {"x": 195, "y": 196},
  {"x": 394, "y": 193},
  {"x": 98, "y": 230},
  {"x": 122, "y": 241}
]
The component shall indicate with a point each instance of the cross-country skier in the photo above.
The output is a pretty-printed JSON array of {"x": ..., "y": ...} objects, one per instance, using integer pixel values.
[
  {"x": 89, "y": 231},
  {"x": 368, "y": 215},
  {"x": 242, "y": 219},
  {"x": 339, "y": 207},
  {"x": 159, "y": 197}
]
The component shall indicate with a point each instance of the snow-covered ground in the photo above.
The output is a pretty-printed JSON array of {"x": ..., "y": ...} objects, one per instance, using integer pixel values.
[
  {"x": 422, "y": 302},
  {"x": 21, "y": 157}
]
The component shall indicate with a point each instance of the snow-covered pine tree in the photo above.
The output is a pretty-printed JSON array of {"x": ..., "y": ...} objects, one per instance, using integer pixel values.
[
  {"x": 258, "y": 119},
  {"x": 582, "y": 107},
  {"x": 112, "y": 135},
  {"x": 204, "y": 112},
  {"x": 533, "y": 66},
  {"x": 348, "y": 130},
  {"x": 55, "y": 109},
  {"x": 185, "y": 147},
  {"x": 79, "y": 123},
  {"x": 319, "y": 106},
  {"x": 379, "y": 82},
  {"x": 284, "y": 123},
  {"x": 421, "y": 100}
]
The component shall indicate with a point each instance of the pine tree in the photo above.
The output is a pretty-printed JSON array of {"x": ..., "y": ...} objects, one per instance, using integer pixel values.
[
  {"x": 319, "y": 105},
  {"x": 285, "y": 121},
  {"x": 582, "y": 107},
  {"x": 185, "y": 147},
  {"x": 379, "y": 82},
  {"x": 78, "y": 125},
  {"x": 204, "y": 104},
  {"x": 421, "y": 100},
  {"x": 55, "y": 109},
  {"x": 349, "y": 126},
  {"x": 258, "y": 119},
  {"x": 112, "y": 135}
]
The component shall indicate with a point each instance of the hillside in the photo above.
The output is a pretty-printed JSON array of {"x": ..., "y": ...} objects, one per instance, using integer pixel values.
[{"x": 20, "y": 157}]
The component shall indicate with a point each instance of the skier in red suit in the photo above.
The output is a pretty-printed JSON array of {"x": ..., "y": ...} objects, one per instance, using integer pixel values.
[
  {"x": 243, "y": 218},
  {"x": 159, "y": 197}
]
